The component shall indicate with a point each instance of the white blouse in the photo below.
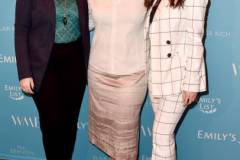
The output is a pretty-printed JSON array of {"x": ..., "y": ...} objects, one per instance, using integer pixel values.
[{"x": 118, "y": 41}]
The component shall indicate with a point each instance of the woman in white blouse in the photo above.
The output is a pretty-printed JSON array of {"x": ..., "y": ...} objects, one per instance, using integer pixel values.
[
  {"x": 177, "y": 69},
  {"x": 116, "y": 76}
]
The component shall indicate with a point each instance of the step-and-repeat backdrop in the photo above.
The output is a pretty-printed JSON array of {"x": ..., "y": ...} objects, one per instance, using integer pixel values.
[{"x": 209, "y": 131}]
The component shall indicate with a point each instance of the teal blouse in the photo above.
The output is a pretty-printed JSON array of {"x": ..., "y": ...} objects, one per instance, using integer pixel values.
[{"x": 71, "y": 30}]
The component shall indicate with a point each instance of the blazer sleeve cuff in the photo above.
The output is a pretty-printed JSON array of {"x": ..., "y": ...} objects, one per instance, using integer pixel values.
[
  {"x": 195, "y": 82},
  {"x": 191, "y": 87},
  {"x": 23, "y": 75}
]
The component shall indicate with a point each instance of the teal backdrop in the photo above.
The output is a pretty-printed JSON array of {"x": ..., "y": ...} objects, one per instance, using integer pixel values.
[{"x": 209, "y": 131}]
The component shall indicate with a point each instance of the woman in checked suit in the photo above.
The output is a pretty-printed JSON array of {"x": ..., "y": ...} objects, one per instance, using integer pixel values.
[{"x": 175, "y": 30}]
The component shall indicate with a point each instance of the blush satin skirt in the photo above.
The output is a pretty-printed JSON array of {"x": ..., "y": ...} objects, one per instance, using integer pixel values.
[{"x": 114, "y": 107}]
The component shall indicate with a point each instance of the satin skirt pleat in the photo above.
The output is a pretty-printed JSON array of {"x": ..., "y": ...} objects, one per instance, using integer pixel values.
[{"x": 114, "y": 107}]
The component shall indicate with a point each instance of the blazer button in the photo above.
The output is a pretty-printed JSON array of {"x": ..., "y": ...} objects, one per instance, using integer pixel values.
[
  {"x": 168, "y": 42},
  {"x": 169, "y": 55}
]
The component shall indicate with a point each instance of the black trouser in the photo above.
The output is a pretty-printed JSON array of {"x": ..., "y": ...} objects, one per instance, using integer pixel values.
[{"x": 59, "y": 99}]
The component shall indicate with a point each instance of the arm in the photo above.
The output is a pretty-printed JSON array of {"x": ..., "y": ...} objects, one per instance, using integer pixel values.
[
  {"x": 22, "y": 28},
  {"x": 194, "y": 45}
]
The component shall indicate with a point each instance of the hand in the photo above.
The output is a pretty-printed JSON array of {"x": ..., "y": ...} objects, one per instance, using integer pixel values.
[
  {"x": 189, "y": 97},
  {"x": 27, "y": 85}
]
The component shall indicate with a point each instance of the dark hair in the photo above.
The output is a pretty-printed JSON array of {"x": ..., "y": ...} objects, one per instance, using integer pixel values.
[
  {"x": 173, "y": 3},
  {"x": 148, "y": 3}
]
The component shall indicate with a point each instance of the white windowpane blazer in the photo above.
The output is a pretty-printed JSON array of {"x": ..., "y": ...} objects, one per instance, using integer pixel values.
[{"x": 175, "y": 48}]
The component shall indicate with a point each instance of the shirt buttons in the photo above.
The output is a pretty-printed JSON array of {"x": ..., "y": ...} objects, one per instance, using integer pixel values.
[
  {"x": 169, "y": 55},
  {"x": 168, "y": 42}
]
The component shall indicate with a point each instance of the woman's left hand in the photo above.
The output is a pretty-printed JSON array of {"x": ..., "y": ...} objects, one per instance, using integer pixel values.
[{"x": 189, "y": 97}]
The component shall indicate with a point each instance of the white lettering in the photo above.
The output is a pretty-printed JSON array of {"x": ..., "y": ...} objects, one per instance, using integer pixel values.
[
  {"x": 146, "y": 131},
  {"x": 235, "y": 70},
  {"x": 6, "y": 28},
  {"x": 7, "y": 59},
  {"x": 82, "y": 125},
  {"x": 25, "y": 121},
  {"x": 225, "y": 136}
]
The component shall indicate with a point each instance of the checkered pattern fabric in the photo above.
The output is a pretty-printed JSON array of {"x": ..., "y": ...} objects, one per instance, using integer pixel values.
[
  {"x": 167, "y": 112},
  {"x": 175, "y": 49}
]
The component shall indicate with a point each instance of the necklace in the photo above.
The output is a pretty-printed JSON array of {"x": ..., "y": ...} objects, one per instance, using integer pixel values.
[{"x": 65, "y": 19}]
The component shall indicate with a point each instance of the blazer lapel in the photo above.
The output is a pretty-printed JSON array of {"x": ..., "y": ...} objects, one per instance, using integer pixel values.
[
  {"x": 52, "y": 11},
  {"x": 50, "y": 8},
  {"x": 81, "y": 7},
  {"x": 82, "y": 11}
]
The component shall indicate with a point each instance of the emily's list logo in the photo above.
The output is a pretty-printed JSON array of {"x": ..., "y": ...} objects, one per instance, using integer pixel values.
[
  {"x": 218, "y": 136},
  {"x": 209, "y": 105},
  {"x": 14, "y": 92},
  {"x": 236, "y": 69}
]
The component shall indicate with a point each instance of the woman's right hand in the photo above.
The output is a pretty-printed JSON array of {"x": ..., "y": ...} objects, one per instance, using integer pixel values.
[{"x": 27, "y": 85}]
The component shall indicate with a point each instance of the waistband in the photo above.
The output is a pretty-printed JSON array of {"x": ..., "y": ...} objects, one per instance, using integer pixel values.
[{"x": 78, "y": 41}]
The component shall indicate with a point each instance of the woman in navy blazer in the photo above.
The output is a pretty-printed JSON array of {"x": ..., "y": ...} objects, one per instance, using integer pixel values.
[{"x": 52, "y": 50}]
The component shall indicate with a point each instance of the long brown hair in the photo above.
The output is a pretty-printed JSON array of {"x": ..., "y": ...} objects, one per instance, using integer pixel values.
[{"x": 173, "y": 3}]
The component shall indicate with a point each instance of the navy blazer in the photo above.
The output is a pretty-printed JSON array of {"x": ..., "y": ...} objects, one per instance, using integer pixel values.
[{"x": 35, "y": 34}]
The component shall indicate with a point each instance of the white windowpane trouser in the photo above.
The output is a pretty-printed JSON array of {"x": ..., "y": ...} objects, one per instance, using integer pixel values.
[{"x": 167, "y": 113}]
